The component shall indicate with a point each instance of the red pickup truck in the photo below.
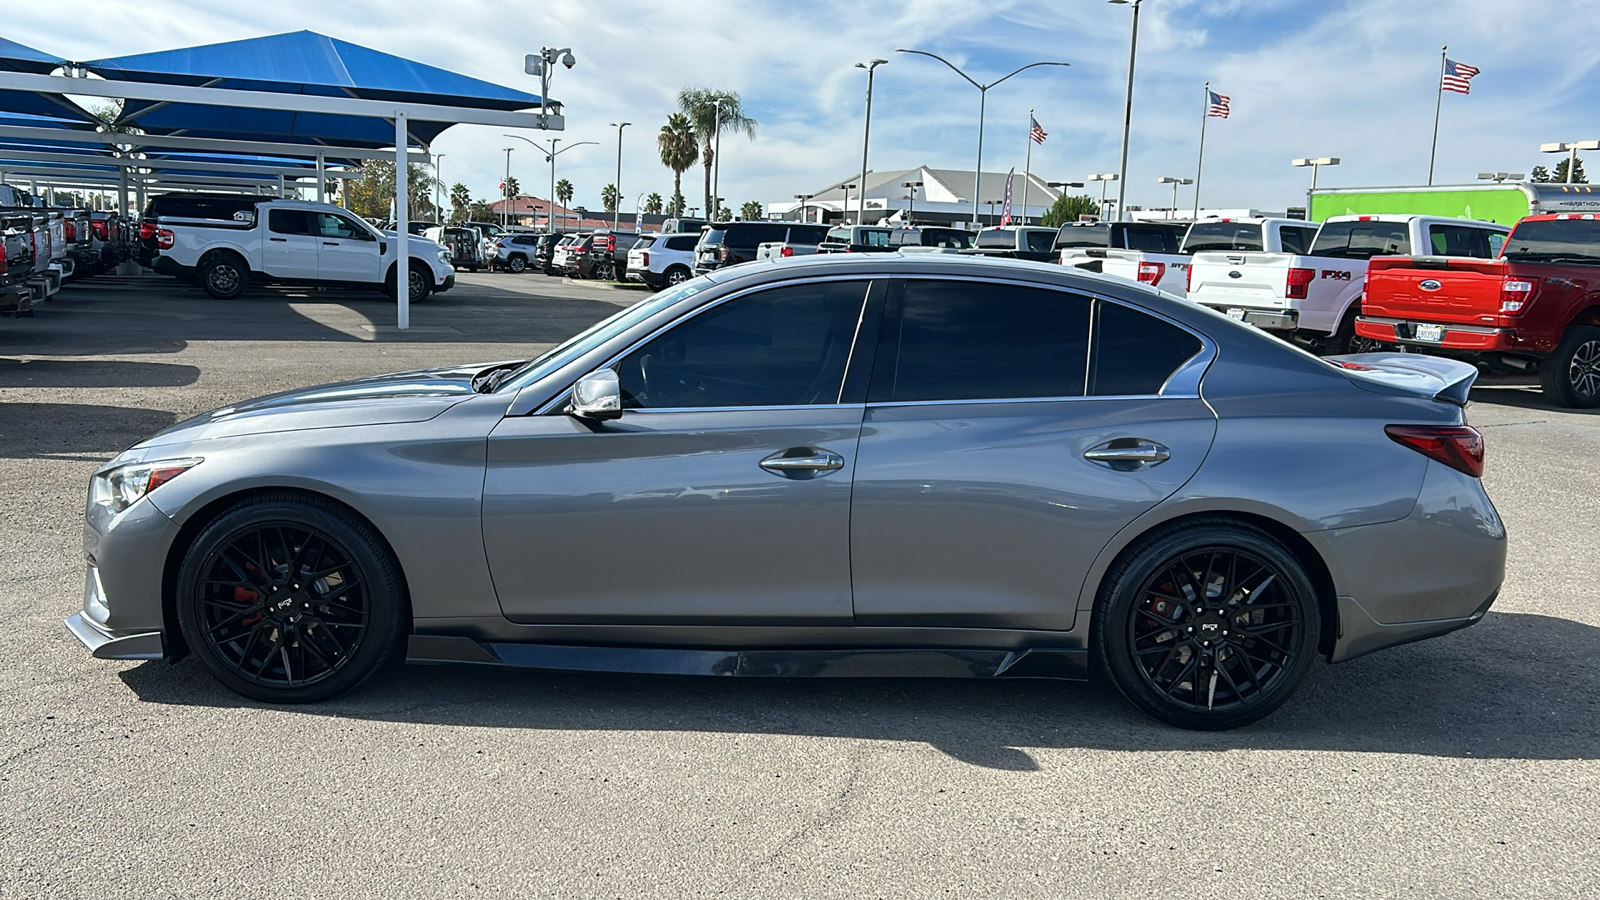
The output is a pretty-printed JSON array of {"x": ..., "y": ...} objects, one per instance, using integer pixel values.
[{"x": 1535, "y": 307}]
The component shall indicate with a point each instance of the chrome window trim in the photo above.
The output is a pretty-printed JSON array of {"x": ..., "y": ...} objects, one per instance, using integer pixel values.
[{"x": 866, "y": 281}]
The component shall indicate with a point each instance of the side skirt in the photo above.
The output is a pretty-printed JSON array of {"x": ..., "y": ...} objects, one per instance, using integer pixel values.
[{"x": 848, "y": 662}]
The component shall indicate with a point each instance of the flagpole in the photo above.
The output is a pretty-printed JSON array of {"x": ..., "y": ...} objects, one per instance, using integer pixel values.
[
  {"x": 1438, "y": 103},
  {"x": 1205, "y": 113},
  {"x": 1027, "y": 169}
]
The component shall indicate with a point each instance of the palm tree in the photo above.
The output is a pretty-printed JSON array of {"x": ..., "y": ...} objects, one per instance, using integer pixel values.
[
  {"x": 652, "y": 204},
  {"x": 563, "y": 192},
  {"x": 460, "y": 199},
  {"x": 700, "y": 106},
  {"x": 609, "y": 197},
  {"x": 750, "y": 211},
  {"x": 679, "y": 149}
]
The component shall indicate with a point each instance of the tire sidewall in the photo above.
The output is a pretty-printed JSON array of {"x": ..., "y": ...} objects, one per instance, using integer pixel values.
[
  {"x": 1556, "y": 373},
  {"x": 372, "y": 559},
  {"x": 517, "y": 265},
  {"x": 216, "y": 265},
  {"x": 1120, "y": 594}
]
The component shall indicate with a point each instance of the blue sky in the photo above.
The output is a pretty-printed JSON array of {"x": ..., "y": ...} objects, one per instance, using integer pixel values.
[{"x": 1348, "y": 78}]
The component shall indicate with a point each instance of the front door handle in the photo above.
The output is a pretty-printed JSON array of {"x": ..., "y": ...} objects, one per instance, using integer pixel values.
[
  {"x": 1127, "y": 454},
  {"x": 330, "y": 243},
  {"x": 803, "y": 462}
]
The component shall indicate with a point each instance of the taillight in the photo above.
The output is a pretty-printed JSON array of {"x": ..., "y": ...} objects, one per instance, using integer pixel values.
[
  {"x": 644, "y": 258},
  {"x": 1188, "y": 278},
  {"x": 164, "y": 239},
  {"x": 1458, "y": 446},
  {"x": 99, "y": 229},
  {"x": 1298, "y": 283},
  {"x": 1515, "y": 294},
  {"x": 147, "y": 230},
  {"x": 71, "y": 232},
  {"x": 611, "y": 245},
  {"x": 1151, "y": 272},
  {"x": 786, "y": 251},
  {"x": 722, "y": 253}
]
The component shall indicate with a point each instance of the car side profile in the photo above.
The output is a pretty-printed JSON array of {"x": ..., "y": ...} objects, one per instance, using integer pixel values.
[{"x": 850, "y": 465}]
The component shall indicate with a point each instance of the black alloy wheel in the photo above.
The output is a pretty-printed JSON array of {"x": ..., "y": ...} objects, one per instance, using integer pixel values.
[
  {"x": 1210, "y": 626},
  {"x": 605, "y": 271},
  {"x": 290, "y": 600},
  {"x": 223, "y": 277},
  {"x": 1572, "y": 376}
]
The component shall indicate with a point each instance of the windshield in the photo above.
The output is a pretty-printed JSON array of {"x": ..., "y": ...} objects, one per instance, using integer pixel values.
[
  {"x": 594, "y": 336},
  {"x": 1577, "y": 240},
  {"x": 1204, "y": 236}
]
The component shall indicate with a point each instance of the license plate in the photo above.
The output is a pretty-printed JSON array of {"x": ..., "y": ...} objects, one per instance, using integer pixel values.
[
  {"x": 1431, "y": 333},
  {"x": 1236, "y": 313}
]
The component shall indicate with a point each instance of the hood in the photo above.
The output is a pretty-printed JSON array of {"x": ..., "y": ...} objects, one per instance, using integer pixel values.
[{"x": 380, "y": 400}]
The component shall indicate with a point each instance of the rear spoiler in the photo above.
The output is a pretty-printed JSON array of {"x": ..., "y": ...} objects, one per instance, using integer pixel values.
[{"x": 1409, "y": 374}]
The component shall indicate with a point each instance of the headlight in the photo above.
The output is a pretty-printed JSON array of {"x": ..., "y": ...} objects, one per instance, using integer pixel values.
[
  {"x": 444, "y": 257},
  {"x": 122, "y": 487}
]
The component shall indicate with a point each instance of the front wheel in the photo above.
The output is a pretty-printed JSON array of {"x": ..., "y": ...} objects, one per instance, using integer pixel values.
[
  {"x": 418, "y": 284},
  {"x": 1571, "y": 377},
  {"x": 223, "y": 276},
  {"x": 1209, "y": 625},
  {"x": 290, "y": 600}
]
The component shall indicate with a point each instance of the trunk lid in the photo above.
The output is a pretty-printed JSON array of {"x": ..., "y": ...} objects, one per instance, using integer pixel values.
[
  {"x": 1436, "y": 289},
  {"x": 1408, "y": 374},
  {"x": 1245, "y": 278}
]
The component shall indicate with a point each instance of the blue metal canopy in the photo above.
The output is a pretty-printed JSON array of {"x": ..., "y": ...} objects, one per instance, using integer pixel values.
[
  {"x": 15, "y": 57},
  {"x": 301, "y": 62}
]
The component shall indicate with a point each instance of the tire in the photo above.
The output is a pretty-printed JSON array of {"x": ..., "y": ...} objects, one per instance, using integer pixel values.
[
  {"x": 224, "y": 276},
  {"x": 421, "y": 283},
  {"x": 605, "y": 271},
  {"x": 342, "y": 609},
  {"x": 1156, "y": 643},
  {"x": 1345, "y": 340},
  {"x": 1571, "y": 377},
  {"x": 517, "y": 265},
  {"x": 676, "y": 275}
]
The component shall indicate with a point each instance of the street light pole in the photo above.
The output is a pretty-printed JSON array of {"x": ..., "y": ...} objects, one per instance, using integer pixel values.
[
  {"x": 912, "y": 209},
  {"x": 438, "y": 187},
  {"x": 1104, "y": 179},
  {"x": 1175, "y": 182},
  {"x": 1315, "y": 164},
  {"x": 1570, "y": 148},
  {"x": 716, "y": 158},
  {"x": 616, "y": 207},
  {"x": 844, "y": 211},
  {"x": 1127, "y": 108},
  {"x": 983, "y": 98},
  {"x": 866, "y": 133},
  {"x": 505, "y": 191},
  {"x": 803, "y": 198},
  {"x": 550, "y": 154}
]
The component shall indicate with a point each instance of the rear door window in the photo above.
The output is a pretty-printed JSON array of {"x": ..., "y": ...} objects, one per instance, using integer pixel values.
[
  {"x": 969, "y": 340},
  {"x": 288, "y": 221},
  {"x": 1362, "y": 240},
  {"x": 681, "y": 242},
  {"x": 1135, "y": 353}
]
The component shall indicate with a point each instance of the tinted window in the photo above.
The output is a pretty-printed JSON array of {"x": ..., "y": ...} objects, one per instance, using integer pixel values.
[
  {"x": 182, "y": 206},
  {"x": 1150, "y": 239},
  {"x": 946, "y": 237},
  {"x": 1083, "y": 236},
  {"x": 962, "y": 340},
  {"x": 997, "y": 239},
  {"x": 332, "y": 226},
  {"x": 839, "y": 235},
  {"x": 783, "y": 347},
  {"x": 1135, "y": 353},
  {"x": 805, "y": 234},
  {"x": 287, "y": 221},
  {"x": 527, "y": 239},
  {"x": 1295, "y": 239},
  {"x": 1206, "y": 236},
  {"x": 1362, "y": 240},
  {"x": 752, "y": 233},
  {"x": 1496, "y": 241},
  {"x": 1040, "y": 241},
  {"x": 1552, "y": 238},
  {"x": 874, "y": 238},
  {"x": 682, "y": 242},
  {"x": 711, "y": 237}
]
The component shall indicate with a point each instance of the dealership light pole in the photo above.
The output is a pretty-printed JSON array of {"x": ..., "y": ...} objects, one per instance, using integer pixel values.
[
  {"x": 1127, "y": 108},
  {"x": 803, "y": 198},
  {"x": 1498, "y": 177},
  {"x": 616, "y": 208},
  {"x": 1175, "y": 182},
  {"x": 866, "y": 134},
  {"x": 911, "y": 192},
  {"x": 1571, "y": 149},
  {"x": 1315, "y": 164},
  {"x": 983, "y": 98},
  {"x": 1104, "y": 179},
  {"x": 438, "y": 186},
  {"x": 716, "y": 158},
  {"x": 844, "y": 211},
  {"x": 550, "y": 154},
  {"x": 505, "y": 191}
]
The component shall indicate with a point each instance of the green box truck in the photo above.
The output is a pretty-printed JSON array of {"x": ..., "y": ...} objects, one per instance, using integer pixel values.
[{"x": 1504, "y": 203}]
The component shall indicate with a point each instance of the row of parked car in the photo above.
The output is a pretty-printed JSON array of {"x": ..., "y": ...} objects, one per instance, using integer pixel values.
[{"x": 46, "y": 247}]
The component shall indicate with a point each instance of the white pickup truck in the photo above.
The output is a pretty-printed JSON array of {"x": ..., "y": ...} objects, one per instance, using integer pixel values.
[
  {"x": 1170, "y": 271},
  {"x": 1314, "y": 298},
  {"x": 267, "y": 240}
]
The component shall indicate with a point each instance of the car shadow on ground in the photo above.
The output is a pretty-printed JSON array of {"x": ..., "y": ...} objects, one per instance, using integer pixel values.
[
  {"x": 1513, "y": 687},
  {"x": 1522, "y": 397},
  {"x": 75, "y": 430},
  {"x": 81, "y": 373}
]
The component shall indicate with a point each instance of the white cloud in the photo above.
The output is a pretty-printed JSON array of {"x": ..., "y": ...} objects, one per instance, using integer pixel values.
[{"x": 1353, "y": 79}]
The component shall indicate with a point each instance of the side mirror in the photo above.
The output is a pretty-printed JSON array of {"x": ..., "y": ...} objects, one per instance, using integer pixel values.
[{"x": 597, "y": 396}]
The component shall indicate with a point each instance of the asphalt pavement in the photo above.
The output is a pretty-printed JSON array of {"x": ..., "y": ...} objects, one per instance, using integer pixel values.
[{"x": 1466, "y": 766}]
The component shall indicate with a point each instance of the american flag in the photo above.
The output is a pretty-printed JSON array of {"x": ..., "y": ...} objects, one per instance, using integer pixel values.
[
  {"x": 1458, "y": 76},
  {"x": 1219, "y": 106},
  {"x": 1036, "y": 133}
]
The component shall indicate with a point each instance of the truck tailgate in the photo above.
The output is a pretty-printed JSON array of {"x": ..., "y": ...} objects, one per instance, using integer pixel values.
[
  {"x": 1240, "y": 279},
  {"x": 1435, "y": 289}
]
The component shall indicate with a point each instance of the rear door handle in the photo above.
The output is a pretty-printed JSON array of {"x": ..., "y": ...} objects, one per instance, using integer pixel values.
[
  {"x": 279, "y": 240},
  {"x": 1127, "y": 454},
  {"x": 803, "y": 462},
  {"x": 330, "y": 243}
]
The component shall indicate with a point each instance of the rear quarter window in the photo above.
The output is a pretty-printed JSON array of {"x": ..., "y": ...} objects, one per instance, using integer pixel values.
[{"x": 1135, "y": 353}]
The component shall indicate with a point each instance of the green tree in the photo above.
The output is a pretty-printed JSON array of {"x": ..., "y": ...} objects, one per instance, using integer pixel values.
[
  {"x": 480, "y": 211},
  {"x": 1068, "y": 209},
  {"x": 460, "y": 202},
  {"x": 563, "y": 192},
  {"x": 751, "y": 211},
  {"x": 512, "y": 187},
  {"x": 1559, "y": 176},
  {"x": 723, "y": 215},
  {"x": 652, "y": 204},
  {"x": 700, "y": 106},
  {"x": 373, "y": 195},
  {"x": 609, "y": 197},
  {"x": 679, "y": 149}
]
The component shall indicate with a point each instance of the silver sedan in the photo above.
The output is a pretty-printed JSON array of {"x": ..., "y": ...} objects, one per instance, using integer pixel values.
[{"x": 853, "y": 466}]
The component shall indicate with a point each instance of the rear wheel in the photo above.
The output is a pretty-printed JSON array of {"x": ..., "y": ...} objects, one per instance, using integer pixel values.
[
  {"x": 1207, "y": 625},
  {"x": 1571, "y": 377},
  {"x": 677, "y": 275},
  {"x": 1345, "y": 340},
  {"x": 517, "y": 264},
  {"x": 224, "y": 276},
  {"x": 605, "y": 271},
  {"x": 290, "y": 600}
]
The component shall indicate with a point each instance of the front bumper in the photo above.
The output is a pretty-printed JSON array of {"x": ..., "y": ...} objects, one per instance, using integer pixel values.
[
  {"x": 1471, "y": 338},
  {"x": 105, "y": 644},
  {"x": 445, "y": 283}
]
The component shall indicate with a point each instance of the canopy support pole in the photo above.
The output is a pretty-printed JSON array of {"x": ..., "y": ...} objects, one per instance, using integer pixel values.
[
  {"x": 322, "y": 179},
  {"x": 402, "y": 226}
]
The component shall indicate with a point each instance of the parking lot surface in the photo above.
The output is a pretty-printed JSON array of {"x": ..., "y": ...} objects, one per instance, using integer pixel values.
[{"x": 1467, "y": 766}]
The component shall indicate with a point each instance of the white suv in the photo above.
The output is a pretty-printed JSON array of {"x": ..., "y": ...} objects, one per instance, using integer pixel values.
[{"x": 663, "y": 260}]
